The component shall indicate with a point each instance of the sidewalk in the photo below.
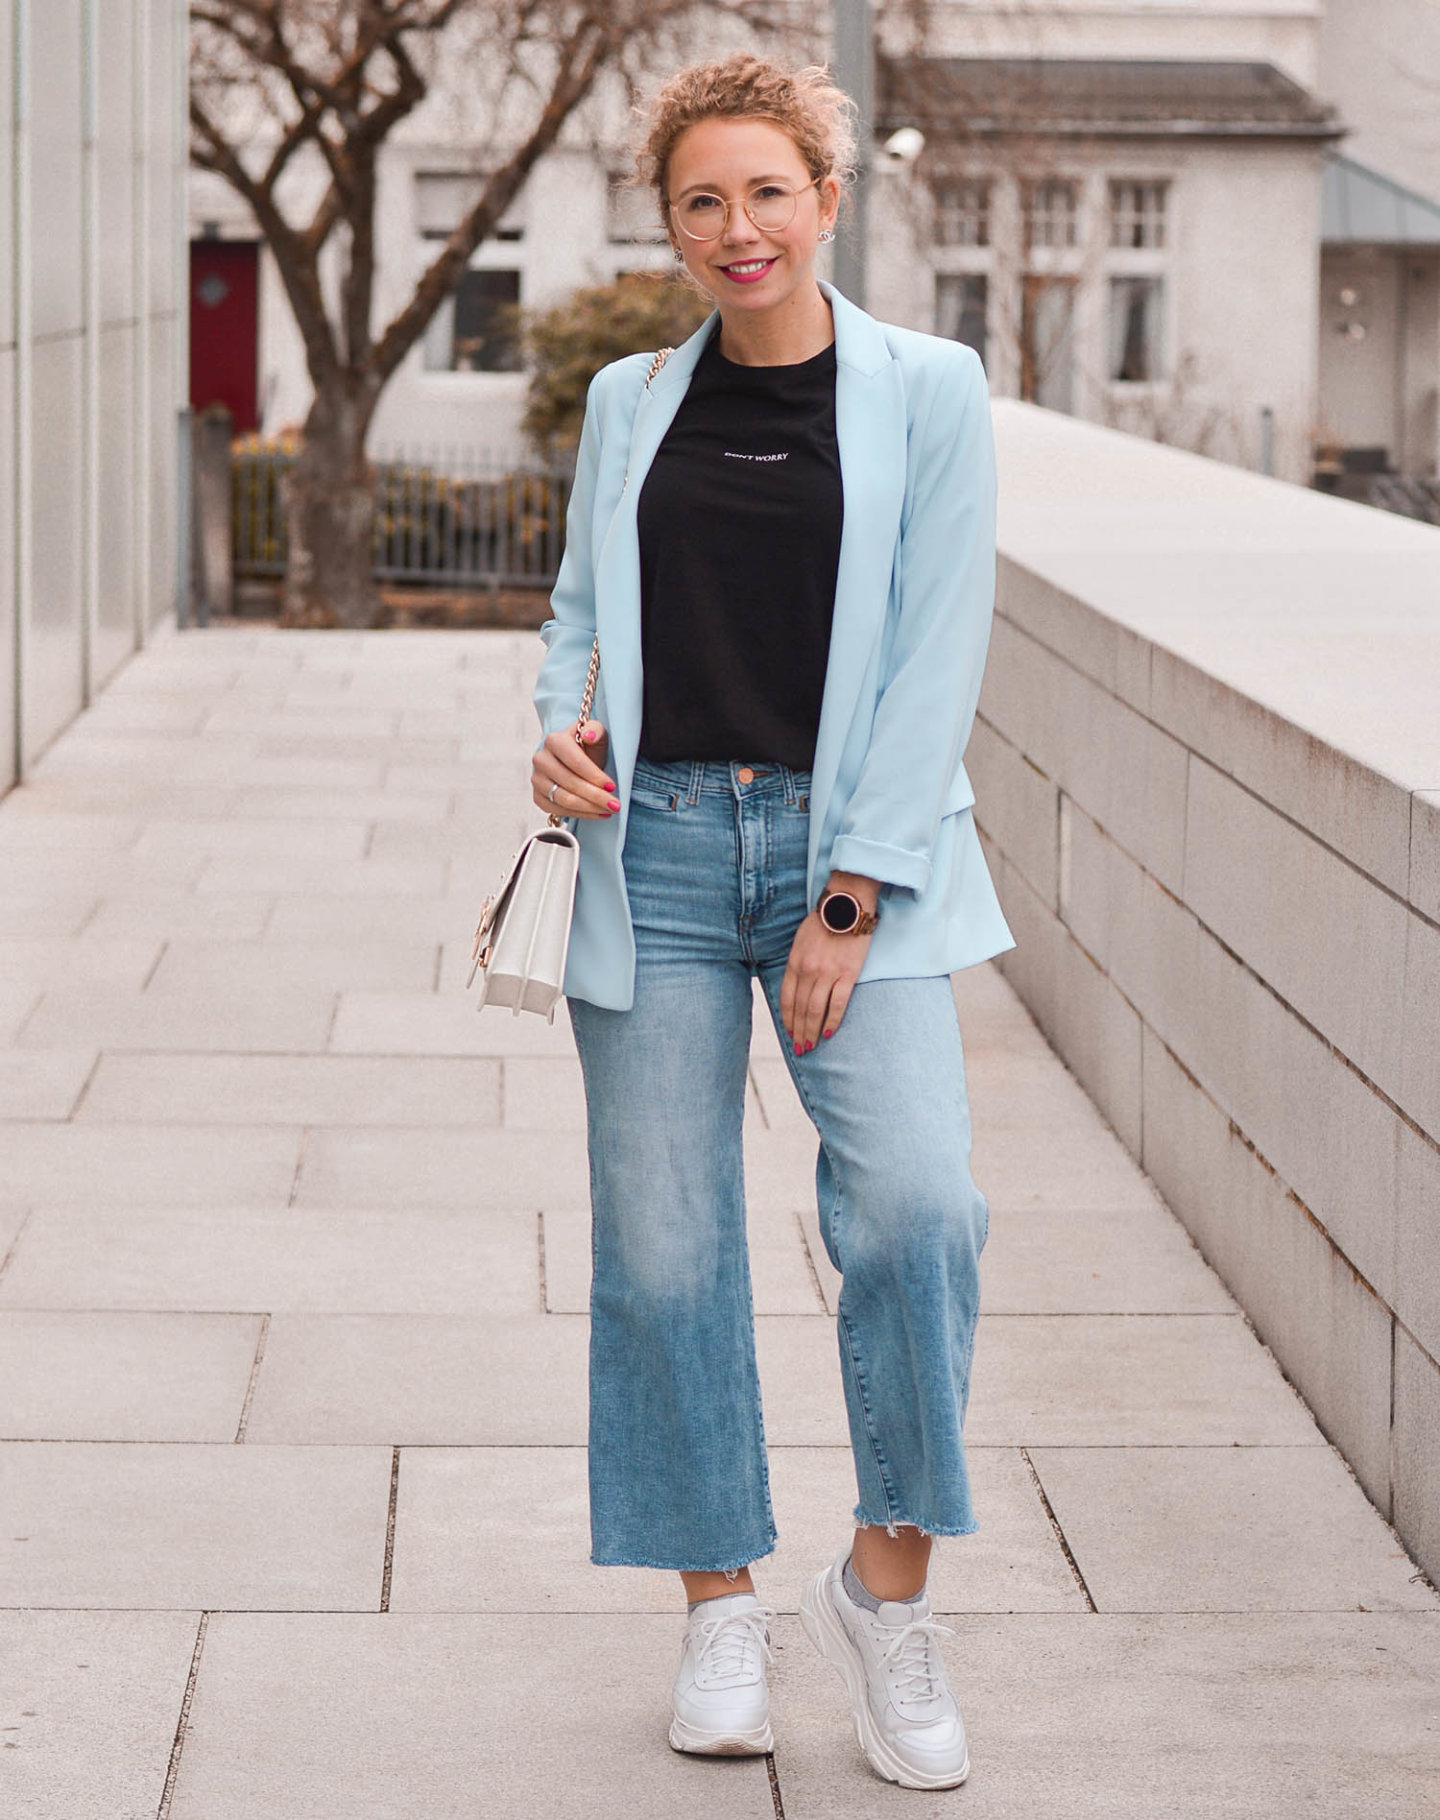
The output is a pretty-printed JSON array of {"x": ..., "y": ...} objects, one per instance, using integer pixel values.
[{"x": 293, "y": 1343}]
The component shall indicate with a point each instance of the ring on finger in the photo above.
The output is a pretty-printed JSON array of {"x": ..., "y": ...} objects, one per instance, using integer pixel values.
[{"x": 553, "y": 789}]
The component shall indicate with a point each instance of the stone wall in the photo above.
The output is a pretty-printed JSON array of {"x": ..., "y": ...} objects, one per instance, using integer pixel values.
[
  {"x": 92, "y": 347},
  {"x": 1207, "y": 768}
]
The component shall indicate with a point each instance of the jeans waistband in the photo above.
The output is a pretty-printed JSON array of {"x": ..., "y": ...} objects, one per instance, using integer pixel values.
[{"x": 693, "y": 778}]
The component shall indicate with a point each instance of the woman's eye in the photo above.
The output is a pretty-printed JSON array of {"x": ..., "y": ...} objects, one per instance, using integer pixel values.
[
  {"x": 768, "y": 189},
  {"x": 700, "y": 205}
]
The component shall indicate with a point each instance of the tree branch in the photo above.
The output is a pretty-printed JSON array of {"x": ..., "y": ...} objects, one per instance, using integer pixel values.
[
  {"x": 579, "y": 67},
  {"x": 293, "y": 256}
]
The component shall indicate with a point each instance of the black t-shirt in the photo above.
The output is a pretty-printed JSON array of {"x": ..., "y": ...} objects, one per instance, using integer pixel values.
[{"x": 739, "y": 521}]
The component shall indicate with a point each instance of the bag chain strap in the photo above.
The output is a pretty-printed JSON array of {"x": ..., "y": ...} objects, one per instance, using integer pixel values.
[{"x": 587, "y": 700}]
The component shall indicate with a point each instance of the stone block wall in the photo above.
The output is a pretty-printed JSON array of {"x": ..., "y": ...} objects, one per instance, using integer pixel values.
[{"x": 1206, "y": 767}]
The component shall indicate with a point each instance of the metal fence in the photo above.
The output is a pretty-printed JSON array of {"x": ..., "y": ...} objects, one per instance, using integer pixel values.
[{"x": 459, "y": 518}]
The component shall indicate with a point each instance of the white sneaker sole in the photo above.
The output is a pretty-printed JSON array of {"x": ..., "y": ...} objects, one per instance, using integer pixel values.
[
  {"x": 687, "y": 1737},
  {"x": 828, "y": 1634}
]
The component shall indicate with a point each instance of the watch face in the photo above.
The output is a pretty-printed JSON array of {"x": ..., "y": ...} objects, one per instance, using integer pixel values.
[{"x": 840, "y": 913}]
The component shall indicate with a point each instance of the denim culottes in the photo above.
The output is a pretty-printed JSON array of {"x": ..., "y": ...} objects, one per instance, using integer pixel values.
[{"x": 715, "y": 864}]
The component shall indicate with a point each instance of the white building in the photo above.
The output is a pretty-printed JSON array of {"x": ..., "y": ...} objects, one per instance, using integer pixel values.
[
  {"x": 1132, "y": 240},
  {"x": 1380, "y": 254},
  {"x": 92, "y": 347},
  {"x": 1119, "y": 202}
]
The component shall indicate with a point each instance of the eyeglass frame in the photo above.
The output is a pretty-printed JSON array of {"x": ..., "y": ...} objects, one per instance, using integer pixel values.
[{"x": 724, "y": 201}]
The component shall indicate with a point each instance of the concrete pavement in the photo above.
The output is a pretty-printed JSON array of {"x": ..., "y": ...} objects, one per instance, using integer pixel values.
[{"x": 293, "y": 1335}]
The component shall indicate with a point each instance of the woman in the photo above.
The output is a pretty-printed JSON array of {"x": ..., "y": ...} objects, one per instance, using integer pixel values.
[{"x": 785, "y": 539}]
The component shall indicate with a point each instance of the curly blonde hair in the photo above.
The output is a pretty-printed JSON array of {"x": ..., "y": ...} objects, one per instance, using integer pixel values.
[{"x": 805, "y": 103}]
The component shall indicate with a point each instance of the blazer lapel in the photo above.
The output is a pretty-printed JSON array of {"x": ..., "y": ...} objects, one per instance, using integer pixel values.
[
  {"x": 617, "y": 567},
  {"x": 870, "y": 435}
]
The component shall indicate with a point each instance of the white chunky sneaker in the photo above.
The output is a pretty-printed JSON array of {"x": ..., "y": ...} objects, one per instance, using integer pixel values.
[
  {"x": 722, "y": 1699},
  {"x": 906, "y": 1718}
]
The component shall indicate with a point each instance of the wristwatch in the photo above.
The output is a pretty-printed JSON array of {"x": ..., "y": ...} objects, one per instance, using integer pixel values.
[{"x": 843, "y": 914}]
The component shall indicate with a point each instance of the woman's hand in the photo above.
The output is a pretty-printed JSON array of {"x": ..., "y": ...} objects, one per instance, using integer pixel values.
[
  {"x": 821, "y": 972},
  {"x": 585, "y": 789}
]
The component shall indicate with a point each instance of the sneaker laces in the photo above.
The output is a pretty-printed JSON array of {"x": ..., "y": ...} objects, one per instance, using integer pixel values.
[
  {"x": 723, "y": 1643},
  {"x": 913, "y": 1655}
]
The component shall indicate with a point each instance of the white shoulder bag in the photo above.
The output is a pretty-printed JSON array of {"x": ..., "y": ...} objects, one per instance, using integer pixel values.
[{"x": 523, "y": 936}]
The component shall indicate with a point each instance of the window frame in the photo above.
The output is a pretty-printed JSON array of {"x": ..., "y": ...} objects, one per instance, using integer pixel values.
[{"x": 1157, "y": 262}]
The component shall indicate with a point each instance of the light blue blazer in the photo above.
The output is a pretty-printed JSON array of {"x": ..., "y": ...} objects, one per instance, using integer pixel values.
[{"x": 914, "y": 597}]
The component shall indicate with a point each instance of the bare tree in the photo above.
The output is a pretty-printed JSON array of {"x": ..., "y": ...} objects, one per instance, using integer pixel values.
[{"x": 291, "y": 104}]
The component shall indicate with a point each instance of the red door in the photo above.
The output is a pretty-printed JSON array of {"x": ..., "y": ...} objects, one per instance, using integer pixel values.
[{"x": 224, "y": 327}]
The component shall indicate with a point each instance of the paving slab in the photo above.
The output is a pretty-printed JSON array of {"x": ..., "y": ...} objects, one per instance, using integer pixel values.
[
  {"x": 459, "y": 1511},
  {"x": 276, "y": 1259},
  {"x": 278, "y": 1018},
  {"x": 41, "y": 912},
  {"x": 189, "y": 966},
  {"x": 103, "y": 1375},
  {"x": 46, "y": 1085},
  {"x": 240, "y": 917},
  {"x": 1130, "y": 1380},
  {"x": 436, "y": 1023},
  {"x": 383, "y": 1717},
  {"x": 349, "y": 1090},
  {"x": 254, "y": 838},
  {"x": 488, "y": 1380},
  {"x": 371, "y": 1166},
  {"x": 1211, "y": 1717},
  {"x": 103, "y": 1526},
  {"x": 1226, "y": 1529},
  {"x": 89, "y": 1702},
  {"x": 121, "y": 1166},
  {"x": 1128, "y": 1260},
  {"x": 45, "y": 961}
]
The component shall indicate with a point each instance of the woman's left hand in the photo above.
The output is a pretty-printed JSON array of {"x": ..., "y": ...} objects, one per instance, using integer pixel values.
[{"x": 821, "y": 972}]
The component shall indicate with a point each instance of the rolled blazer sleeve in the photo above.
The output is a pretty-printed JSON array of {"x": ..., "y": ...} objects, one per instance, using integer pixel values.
[
  {"x": 570, "y": 634},
  {"x": 936, "y": 656}
]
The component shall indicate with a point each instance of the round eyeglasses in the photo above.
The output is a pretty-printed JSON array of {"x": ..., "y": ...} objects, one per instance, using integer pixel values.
[{"x": 770, "y": 206}]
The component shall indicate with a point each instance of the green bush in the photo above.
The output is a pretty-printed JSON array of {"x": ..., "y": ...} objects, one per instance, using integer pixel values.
[{"x": 567, "y": 345}]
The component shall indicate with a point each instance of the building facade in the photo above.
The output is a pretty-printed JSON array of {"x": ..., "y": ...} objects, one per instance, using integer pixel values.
[
  {"x": 92, "y": 348},
  {"x": 1118, "y": 202}
]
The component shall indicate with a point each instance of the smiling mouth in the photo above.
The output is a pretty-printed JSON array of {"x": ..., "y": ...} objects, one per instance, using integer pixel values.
[{"x": 747, "y": 268}]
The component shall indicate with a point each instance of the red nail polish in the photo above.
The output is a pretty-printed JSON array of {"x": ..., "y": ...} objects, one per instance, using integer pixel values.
[
  {"x": 827, "y": 1033},
  {"x": 614, "y": 802}
]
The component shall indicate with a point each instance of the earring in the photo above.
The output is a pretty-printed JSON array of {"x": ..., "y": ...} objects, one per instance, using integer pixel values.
[
  {"x": 680, "y": 255},
  {"x": 827, "y": 233}
]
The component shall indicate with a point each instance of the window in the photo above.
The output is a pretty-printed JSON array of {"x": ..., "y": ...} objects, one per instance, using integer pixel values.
[
  {"x": 1051, "y": 209},
  {"x": 476, "y": 329},
  {"x": 1047, "y": 349},
  {"x": 962, "y": 211},
  {"x": 1136, "y": 306},
  {"x": 444, "y": 198},
  {"x": 1137, "y": 214},
  {"x": 961, "y": 307}
]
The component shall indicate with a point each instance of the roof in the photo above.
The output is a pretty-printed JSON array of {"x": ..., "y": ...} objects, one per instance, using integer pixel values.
[
  {"x": 1095, "y": 97},
  {"x": 1359, "y": 206}
]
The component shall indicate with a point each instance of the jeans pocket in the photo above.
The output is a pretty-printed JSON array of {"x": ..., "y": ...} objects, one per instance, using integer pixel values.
[{"x": 647, "y": 796}]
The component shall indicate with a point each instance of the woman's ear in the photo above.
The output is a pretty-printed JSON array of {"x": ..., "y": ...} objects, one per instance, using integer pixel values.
[{"x": 830, "y": 187}]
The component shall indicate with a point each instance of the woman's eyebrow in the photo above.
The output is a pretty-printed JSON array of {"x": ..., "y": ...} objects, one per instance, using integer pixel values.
[{"x": 713, "y": 189}]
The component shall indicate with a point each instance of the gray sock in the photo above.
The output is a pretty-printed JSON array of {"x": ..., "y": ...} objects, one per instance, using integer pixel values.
[{"x": 861, "y": 1594}]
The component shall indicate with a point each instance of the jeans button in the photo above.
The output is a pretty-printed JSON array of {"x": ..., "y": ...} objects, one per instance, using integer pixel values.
[{"x": 745, "y": 775}]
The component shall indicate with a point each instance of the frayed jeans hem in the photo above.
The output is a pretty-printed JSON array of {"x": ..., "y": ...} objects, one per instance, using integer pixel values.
[
  {"x": 689, "y": 1567},
  {"x": 891, "y": 1524}
]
